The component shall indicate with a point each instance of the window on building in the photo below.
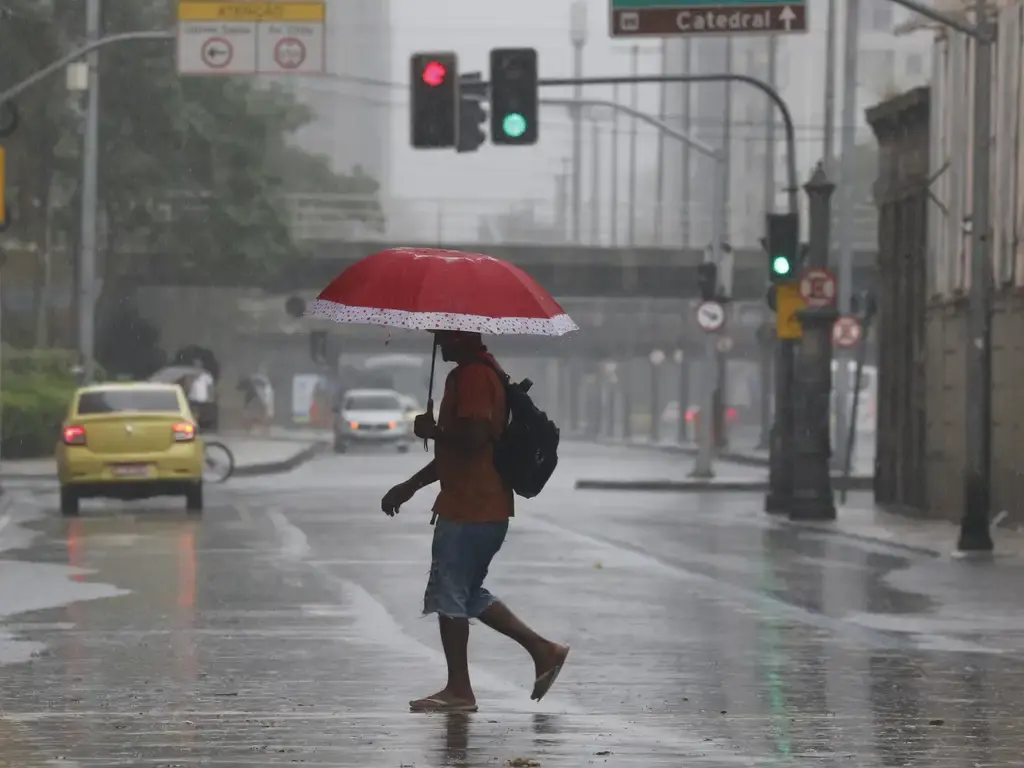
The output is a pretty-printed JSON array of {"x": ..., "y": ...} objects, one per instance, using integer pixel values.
[
  {"x": 876, "y": 15},
  {"x": 877, "y": 70},
  {"x": 915, "y": 65}
]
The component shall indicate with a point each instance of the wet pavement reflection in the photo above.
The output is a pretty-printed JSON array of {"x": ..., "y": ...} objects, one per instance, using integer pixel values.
[{"x": 283, "y": 628}]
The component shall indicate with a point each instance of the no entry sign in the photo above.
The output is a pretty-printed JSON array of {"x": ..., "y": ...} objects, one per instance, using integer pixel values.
[
  {"x": 818, "y": 288},
  {"x": 846, "y": 332}
]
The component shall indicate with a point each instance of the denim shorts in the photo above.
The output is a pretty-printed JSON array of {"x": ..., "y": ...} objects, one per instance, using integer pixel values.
[{"x": 460, "y": 556}]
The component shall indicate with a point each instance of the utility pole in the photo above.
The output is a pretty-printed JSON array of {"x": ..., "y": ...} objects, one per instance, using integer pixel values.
[
  {"x": 721, "y": 360},
  {"x": 975, "y": 535},
  {"x": 578, "y": 34},
  {"x": 687, "y": 94},
  {"x": 90, "y": 183},
  {"x": 595, "y": 181},
  {"x": 615, "y": 171},
  {"x": 812, "y": 477},
  {"x": 633, "y": 137},
  {"x": 659, "y": 167},
  {"x": 845, "y": 221},
  {"x": 830, "y": 80},
  {"x": 765, "y": 347}
]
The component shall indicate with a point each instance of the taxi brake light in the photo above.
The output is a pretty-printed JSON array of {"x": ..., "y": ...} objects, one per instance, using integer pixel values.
[
  {"x": 74, "y": 435},
  {"x": 392, "y": 424},
  {"x": 184, "y": 432}
]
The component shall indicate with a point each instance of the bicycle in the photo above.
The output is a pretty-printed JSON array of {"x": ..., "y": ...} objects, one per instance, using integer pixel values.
[{"x": 218, "y": 462}]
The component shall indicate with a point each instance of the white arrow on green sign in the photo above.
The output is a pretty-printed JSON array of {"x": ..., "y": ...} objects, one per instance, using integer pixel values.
[{"x": 678, "y": 18}]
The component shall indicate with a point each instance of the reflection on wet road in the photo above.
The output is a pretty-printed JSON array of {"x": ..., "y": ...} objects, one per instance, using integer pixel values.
[{"x": 283, "y": 628}]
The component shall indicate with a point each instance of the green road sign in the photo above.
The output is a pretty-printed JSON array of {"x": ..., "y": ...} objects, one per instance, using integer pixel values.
[{"x": 676, "y": 18}]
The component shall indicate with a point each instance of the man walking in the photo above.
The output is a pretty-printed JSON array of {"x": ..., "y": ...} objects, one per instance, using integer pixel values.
[{"x": 471, "y": 513}]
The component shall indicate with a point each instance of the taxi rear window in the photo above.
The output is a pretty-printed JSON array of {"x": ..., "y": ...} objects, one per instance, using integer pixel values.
[{"x": 135, "y": 401}]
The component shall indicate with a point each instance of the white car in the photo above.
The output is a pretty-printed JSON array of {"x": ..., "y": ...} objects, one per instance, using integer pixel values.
[{"x": 372, "y": 417}]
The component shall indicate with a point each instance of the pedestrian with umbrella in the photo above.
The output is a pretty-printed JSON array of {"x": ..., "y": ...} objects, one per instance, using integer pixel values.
[{"x": 490, "y": 441}]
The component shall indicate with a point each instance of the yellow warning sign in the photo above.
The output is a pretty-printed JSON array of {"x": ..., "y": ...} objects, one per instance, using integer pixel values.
[
  {"x": 787, "y": 303},
  {"x": 205, "y": 10}
]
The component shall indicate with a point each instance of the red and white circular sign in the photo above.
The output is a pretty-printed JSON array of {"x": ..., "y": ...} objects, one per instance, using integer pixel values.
[
  {"x": 217, "y": 53},
  {"x": 818, "y": 288},
  {"x": 290, "y": 53},
  {"x": 846, "y": 332}
]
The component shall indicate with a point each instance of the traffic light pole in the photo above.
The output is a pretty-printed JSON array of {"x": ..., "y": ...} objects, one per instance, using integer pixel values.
[{"x": 710, "y": 378}]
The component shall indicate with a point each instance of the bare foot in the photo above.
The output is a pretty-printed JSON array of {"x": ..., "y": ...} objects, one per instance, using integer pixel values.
[
  {"x": 444, "y": 701},
  {"x": 548, "y": 667}
]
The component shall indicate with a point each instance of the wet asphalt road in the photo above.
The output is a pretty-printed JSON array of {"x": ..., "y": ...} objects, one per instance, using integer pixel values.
[{"x": 283, "y": 628}]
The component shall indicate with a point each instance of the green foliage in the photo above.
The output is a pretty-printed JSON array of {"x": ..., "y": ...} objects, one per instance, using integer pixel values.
[
  {"x": 37, "y": 387},
  {"x": 193, "y": 170}
]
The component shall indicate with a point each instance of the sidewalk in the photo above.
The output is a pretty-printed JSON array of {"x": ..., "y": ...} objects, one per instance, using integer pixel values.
[
  {"x": 253, "y": 455},
  {"x": 755, "y": 457},
  {"x": 862, "y": 521},
  {"x": 734, "y": 471}
]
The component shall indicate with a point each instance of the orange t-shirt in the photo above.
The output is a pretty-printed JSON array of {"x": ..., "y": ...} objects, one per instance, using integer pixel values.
[{"x": 471, "y": 488}]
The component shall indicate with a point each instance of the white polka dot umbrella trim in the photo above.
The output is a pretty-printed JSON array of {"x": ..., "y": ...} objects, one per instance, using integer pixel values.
[{"x": 442, "y": 321}]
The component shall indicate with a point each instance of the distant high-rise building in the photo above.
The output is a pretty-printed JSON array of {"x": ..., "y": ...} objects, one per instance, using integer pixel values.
[{"x": 352, "y": 102}]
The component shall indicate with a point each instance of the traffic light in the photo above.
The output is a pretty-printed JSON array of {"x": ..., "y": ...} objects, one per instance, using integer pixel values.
[
  {"x": 472, "y": 116},
  {"x": 782, "y": 246},
  {"x": 514, "y": 101},
  {"x": 434, "y": 80},
  {"x": 707, "y": 281}
]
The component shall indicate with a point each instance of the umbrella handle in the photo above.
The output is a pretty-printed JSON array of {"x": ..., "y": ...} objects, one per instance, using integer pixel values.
[
  {"x": 430, "y": 410},
  {"x": 430, "y": 386}
]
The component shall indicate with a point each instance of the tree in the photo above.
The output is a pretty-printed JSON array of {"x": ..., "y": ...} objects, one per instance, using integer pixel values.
[{"x": 193, "y": 171}]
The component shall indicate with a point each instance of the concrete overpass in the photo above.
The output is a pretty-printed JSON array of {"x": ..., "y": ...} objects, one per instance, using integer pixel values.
[{"x": 565, "y": 270}]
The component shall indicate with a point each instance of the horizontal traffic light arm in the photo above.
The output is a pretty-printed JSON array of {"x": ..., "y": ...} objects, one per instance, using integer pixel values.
[{"x": 793, "y": 188}]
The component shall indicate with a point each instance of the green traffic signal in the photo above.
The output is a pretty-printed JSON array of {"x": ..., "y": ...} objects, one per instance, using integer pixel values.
[
  {"x": 780, "y": 265},
  {"x": 514, "y": 125}
]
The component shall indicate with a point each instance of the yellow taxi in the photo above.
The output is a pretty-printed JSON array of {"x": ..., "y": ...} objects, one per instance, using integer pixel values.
[{"x": 130, "y": 440}]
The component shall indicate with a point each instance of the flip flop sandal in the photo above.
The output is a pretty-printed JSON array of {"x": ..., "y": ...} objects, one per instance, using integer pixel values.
[
  {"x": 543, "y": 683},
  {"x": 432, "y": 704}
]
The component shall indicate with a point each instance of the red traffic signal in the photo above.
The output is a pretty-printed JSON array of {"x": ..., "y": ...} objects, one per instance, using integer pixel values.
[{"x": 434, "y": 73}]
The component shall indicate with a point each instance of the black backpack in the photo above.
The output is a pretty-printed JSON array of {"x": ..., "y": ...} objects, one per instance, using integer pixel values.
[{"x": 526, "y": 453}]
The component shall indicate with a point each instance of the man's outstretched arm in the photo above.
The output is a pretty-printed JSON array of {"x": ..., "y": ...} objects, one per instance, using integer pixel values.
[
  {"x": 394, "y": 499},
  {"x": 423, "y": 478}
]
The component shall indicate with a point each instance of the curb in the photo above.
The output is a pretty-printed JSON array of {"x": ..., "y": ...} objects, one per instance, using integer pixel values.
[
  {"x": 856, "y": 483},
  {"x": 284, "y": 465}
]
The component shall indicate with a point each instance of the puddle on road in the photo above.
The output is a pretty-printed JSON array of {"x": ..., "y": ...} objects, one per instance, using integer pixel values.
[{"x": 52, "y": 585}]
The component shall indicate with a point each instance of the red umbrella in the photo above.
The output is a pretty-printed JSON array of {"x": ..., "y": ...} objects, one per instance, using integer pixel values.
[{"x": 432, "y": 289}]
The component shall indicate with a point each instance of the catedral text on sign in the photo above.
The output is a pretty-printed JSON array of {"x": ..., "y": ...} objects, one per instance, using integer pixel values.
[
  {"x": 203, "y": 10},
  {"x": 709, "y": 20}
]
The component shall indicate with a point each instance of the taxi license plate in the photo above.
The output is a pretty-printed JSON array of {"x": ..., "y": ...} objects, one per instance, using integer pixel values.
[{"x": 130, "y": 470}]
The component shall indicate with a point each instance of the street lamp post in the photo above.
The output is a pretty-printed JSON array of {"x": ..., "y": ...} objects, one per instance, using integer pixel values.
[
  {"x": 578, "y": 36},
  {"x": 657, "y": 357}
]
